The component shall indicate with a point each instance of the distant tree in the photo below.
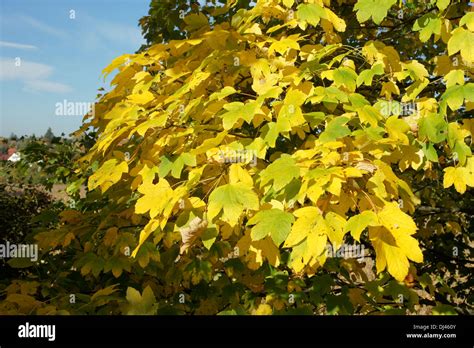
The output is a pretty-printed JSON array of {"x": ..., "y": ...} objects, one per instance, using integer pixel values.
[
  {"x": 13, "y": 136},
  {"x": 3, "y": 147},
  {"x": 49, "y": 135}
]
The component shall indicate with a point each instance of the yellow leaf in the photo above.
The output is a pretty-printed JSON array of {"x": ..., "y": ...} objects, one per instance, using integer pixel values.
[
  {"x": 239, "y": 174},
  {"x": 459, "y": 176},
  {"x": 157, "y": 199},
  {"x": 388, "y": 254},
  {"x": 263, "y": 309},
  {"x": 352, "y": 172},
  {"x": 335, "y": 228},
  {"x": 281, "y": 46},
  {"x": 108, "y": 174},
  {"x": 315, "y": 245},
  {"x": 150, "y": 227},
  {"x": 115, "y": 64},
  {"x": 337, "y": 22},
  {"x": 462, "y": 40},
  {"x": 396, "y": 129},
  {"x": 369, "y": 114},
  {"x": 308, "y": 217},
  {"x": 141, "y": 98},
  {"x": 256, "y": 252},
  {"x": 454, "y": 77},
  {"x": 335, "y": 186},
  {"x": 396, "y": 221},
  {"x": 389, "y": 88},
  {"x": 410, "y": 247}
]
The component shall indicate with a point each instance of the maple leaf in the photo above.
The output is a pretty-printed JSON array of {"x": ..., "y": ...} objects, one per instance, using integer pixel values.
[
  {"x": 231, "y": 200},
  {"x": 281, "y": 172},
  {"x": 273, "y": 222},
  {"x": 377, "y": 9},
  {"x": 108, "y": 174}
]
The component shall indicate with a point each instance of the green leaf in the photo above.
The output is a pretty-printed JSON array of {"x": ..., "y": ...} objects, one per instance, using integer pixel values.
[
  {"x": 166, "y": 164},
  {"x": 434, "y": 127},
  {"x": 175, "y": 166},
  {"x": 369, "y": 114},
  {"x": 209, "y": 237},
  {"x": 462, "y": 151},
  {"x": 430, "y": 152},
  {"x": 442, "y": 4},
  {"x": 236, "y": 311},
  {"x": 237, "y": 111},
  {"x": 339, "y": 304},
  {"x": 428, "y": 25},
  {"x": 314, "y": 118},
  {"x": 310, "y": 13},
  {"x": 281, "y": 172},
  {"x": 346, "y": 77},
  {"x": 454, "y": 97},
  {"x": 141, "y": 304},
  {"x": 117, "y": 264},
  {"x": 232, "y": 200},
  {"x": 356, "y": 224},
  {"x": 377, "y": 9},
  {"x": 365, "y": 77},
  {"x": 273, "y": 222},
  {"x": 20, "y": 262},
  {"x": 335, "y": 129},
  {"x": 444, "y": 309},
  {"x": 454, "y": 77}
]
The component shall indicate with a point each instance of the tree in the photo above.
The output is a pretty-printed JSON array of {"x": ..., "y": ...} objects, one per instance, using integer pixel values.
[
  {"x": 49, "y": 135},
  {"x": 238, "y": 164},
  {"x": 164, "y": 21}
]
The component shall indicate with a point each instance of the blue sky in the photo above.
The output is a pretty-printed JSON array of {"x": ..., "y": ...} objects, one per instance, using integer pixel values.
[{"x": 47, "y": 57}]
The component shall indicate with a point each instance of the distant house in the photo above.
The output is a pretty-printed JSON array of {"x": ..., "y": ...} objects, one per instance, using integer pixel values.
[
  {"x": 10, "y": 155},
  {"x": 15, "y": 157}
]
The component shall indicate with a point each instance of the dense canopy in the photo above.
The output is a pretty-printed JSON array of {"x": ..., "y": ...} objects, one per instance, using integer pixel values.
[{"x": 248, "y": 139}]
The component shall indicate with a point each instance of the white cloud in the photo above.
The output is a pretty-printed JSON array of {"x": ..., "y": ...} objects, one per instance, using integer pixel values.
[
  {"x": 17, "y": 45},
  {"x": 34, "y": 76},
  {"x": 43, "y": 27},
  {"x": 46, "y": 86},
  {"x": 13, "y": 69}
]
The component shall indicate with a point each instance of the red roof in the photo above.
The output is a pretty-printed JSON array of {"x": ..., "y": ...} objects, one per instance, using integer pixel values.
[{"x": 6, "y": 156}]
